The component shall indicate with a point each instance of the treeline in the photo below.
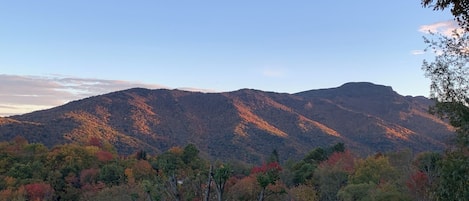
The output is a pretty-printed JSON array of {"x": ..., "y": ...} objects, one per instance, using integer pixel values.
[{"x": 31, "y": 171}]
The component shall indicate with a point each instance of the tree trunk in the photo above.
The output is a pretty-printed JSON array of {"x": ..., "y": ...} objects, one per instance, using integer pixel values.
[
  {"x": 220, "y": 195},
  {"x": 261, "y": 195},
  {"x": 209, "y": 182},
  {"x": 174, "y": 187}
]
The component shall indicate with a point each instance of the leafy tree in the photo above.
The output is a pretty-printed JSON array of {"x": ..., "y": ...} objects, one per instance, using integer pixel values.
[
  {"x": 418, "y": 186},
  {"x": 111, "y": 174},
  {"x": 428, "y": 163},
  {"x": 245, "y": 189},
  {"x": 332, "y": 174},
  {"x": 267, "y": 174},
  {"x": 220, "y": 176},
  {"x": 449, "y": 80},
  {"x": 373, "y": 179},
  {"x": 190, "y": 153},
  {"x": 353, "y": 192},
  {"x": 303, "y": 193},
  {"x": 449, "y": 74},
  {"x": 303, "y": 170},
  {"x": 374, "y": 169},
  {"x": 20, "y": 171},
  {"x": 459, "y": 9},
  {"x": 453, "y": 183},
  {"x": 117, "y": 193},
  {"x": 39, "y": 191}
]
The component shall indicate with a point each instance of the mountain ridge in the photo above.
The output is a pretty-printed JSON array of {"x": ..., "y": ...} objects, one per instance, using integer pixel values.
[{"x": 244, "y": 125}]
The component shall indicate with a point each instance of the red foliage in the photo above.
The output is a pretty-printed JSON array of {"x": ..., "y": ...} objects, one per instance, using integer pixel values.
[
  {"x": 417, "y": 183},
  {"x": 273, "y": 166},
  {"x": 94, "y": 141},
  {"x": 104, "y": 156},
  {"x": 38, "y": 191},
  {"x": 344, "y": 160},
  {"x": 89, "y": 176}
]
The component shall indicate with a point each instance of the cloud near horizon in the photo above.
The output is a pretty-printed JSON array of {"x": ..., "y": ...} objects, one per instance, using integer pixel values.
[{"x": 21, "y": 94}]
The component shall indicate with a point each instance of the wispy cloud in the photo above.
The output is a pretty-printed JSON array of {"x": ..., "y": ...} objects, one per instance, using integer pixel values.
[
  {"x": 21, "y": 94},
  {"x": 445, "y": 27},
  {"x": 417, "y": 52}
]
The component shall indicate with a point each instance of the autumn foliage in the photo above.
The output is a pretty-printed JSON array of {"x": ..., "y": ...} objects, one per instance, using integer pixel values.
[
  {"x": 79, "y": 173},
  {"x": 39, "y": 191}
]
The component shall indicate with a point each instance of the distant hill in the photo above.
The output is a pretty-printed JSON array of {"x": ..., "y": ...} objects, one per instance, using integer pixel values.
[{"x": 242, "y": 125}]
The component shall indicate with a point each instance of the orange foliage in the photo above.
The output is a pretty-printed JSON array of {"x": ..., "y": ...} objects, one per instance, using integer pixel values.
[
  {"x": 11, "y": 194},
  {"x": 143, "y": 169},
  {"x": 130, "y": 175},
  {"x": 176, "y": 150},
  {"x": 245, "y": 189},
  {"x": 104, "y": 156}
]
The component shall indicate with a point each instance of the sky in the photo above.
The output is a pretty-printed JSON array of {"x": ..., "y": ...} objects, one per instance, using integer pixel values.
[{"x": 53, "y": 52}]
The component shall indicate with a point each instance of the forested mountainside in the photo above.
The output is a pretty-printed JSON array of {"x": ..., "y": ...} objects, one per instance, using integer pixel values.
[{"x": 241, "y": 125}]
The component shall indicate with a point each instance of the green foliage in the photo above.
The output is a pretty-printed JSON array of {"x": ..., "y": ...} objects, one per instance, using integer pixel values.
[
  {"x": 316, "y": 156},
  {"x": 371, "y": 192},
  {"x": 354, "y": 192},
  {"x": 453, "y": 183},
  {"x": 303, "y": 170},
  {"x": 220, "y": 176},
  {"x": 111, "y": 174},
  {"x": 373, "y": 169},
  {"x": 333, "y": 174},
  {"x": 427, "y": 162},
  {"x": 20, "y": 171},
  {"x": 169, "y": 163},
  {"x": 374, "y": 178},
  {"x": 303, "y": 193},
  {"x": 190, "y": 153}
]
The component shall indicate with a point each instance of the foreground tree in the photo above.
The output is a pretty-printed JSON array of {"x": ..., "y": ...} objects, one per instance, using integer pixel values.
[
  {"x": 220, "y": 176},
  {"x": 449, "y": 79},
  {"x": 266, "y": 175},
  {"x": 459, "y": 9},
  {"x": 374, "y": 178},
  {"x": 332, "y": 174},
  {"x": 449, "y": 74}
]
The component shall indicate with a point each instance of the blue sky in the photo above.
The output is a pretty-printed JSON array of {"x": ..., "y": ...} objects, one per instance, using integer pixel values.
[{"x": 52, "y": 52}]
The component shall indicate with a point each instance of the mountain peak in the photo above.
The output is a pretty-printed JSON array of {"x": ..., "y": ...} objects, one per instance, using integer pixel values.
[{"x": 352, "y": 89}]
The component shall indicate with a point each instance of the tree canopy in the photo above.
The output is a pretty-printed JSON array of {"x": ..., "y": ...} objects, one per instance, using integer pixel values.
[{"x": 459, "y": 9}]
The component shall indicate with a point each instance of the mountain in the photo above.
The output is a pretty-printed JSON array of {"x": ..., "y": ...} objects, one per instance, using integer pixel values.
[{"x": 243, "y": 125}]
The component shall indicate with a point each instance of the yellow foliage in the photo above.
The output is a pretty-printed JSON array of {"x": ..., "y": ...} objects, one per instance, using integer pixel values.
[
  {"x": 176, "y": 150},
  {"x": 130, "y": 175},
  {"x": 10, "y": 181}
]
